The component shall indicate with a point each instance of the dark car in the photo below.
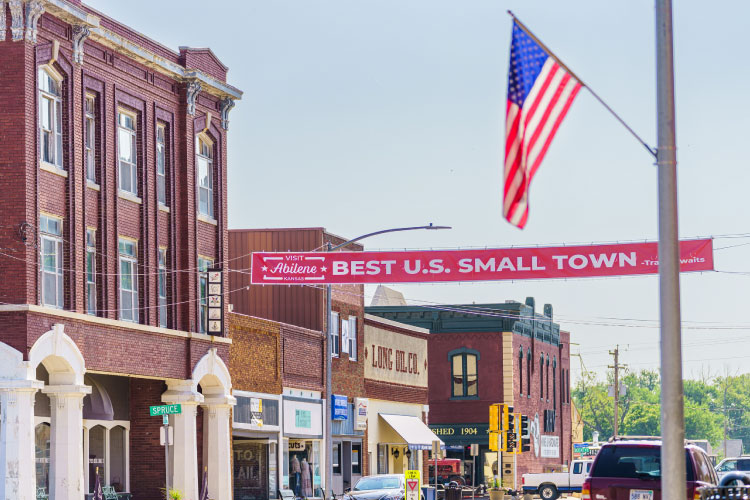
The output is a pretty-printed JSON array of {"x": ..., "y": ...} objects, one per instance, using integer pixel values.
[{"x": 631, "y": 470}]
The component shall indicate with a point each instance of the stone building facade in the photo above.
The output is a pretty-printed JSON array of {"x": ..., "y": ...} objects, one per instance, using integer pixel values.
[{"x": 114, "y": 174}]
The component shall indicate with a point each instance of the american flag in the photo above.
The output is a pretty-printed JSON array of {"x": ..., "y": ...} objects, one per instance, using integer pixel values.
[{"x": 540, "y": 93}]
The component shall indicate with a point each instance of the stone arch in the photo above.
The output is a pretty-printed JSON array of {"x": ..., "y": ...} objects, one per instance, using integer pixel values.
[
  {"x": 60, "y": 356},
  {"x": 212, "y": 375},
  {"x": 12, "y": 365}
]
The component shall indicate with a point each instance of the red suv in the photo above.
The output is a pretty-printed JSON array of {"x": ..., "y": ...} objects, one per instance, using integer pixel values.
[{"x": 631, "y": 470}]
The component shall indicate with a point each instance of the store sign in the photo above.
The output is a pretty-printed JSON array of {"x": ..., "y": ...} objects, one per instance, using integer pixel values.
[
  {"x": 250, "y": 464},
  {"x": 472, "y": 265},
  {"x": 340, "y": 407},
  {"x": 360, "y": 409},
  {"x": 215, "y": 301},
  {"x": 550, "y": 446},
  {"x": 297, "y": 445},
  {"x": 256, "y": 412},
  {"x": 302, "y": 419},
  {"x": 395, "y": 357},
  {"x": 462, "y": 433}
]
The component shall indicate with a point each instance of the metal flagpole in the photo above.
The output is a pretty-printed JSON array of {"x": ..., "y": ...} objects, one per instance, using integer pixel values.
[
  {"x": 673, "y": 485},
  {"x": 596, "y": 96}
]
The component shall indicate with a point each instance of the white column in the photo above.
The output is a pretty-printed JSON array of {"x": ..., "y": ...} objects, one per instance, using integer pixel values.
[
  {"x": 17, "y": 465},
  {"x": 66, "y": 442},
  {"x": 217, "y": 445},
  {"x": 184, "y": 453}
]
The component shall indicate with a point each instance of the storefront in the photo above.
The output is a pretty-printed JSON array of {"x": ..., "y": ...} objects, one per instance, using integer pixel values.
[
  {"x": 302, "y": 447},
  {"x": 347, "y": 438},
  {"x": 255, "y": 445},
  {"x": 458, "y": 440}
]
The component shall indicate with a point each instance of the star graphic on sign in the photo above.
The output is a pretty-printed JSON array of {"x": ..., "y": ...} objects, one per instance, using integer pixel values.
[
  {"x": 324, "y": 269},
  {"x": 264, "y": 268}
]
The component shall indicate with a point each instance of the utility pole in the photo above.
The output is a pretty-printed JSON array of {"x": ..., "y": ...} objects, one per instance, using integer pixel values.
[{"x": 616, "y": 391}]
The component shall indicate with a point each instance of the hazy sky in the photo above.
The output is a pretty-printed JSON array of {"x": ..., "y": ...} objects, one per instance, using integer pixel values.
[{"x": 363, "y": 115}]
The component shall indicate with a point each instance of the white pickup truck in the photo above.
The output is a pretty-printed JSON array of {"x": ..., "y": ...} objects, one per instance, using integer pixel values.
[{"x": 550, "y": 485}]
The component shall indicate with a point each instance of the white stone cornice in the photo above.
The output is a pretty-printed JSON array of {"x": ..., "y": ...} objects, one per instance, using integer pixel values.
[
  {"x": 16, "y": 14},
  {"x": 193, "y": 89},
  {"x": 34, "y": 10},
  {"x": 80, "y": 33},
  {"x": 226, "y": 106}
]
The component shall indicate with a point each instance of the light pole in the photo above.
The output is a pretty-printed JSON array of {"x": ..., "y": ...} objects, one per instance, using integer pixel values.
[{"x": 329, "y": 438}]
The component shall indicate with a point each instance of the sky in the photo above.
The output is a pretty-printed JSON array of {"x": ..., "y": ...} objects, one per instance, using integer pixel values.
[{"x": 361, "y": 115}]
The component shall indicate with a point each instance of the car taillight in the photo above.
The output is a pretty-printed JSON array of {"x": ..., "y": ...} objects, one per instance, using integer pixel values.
[
  {"x": 696, "y": 493},
  {"x": 586, "y": 490},
  {"x": 523, "y": 480}
]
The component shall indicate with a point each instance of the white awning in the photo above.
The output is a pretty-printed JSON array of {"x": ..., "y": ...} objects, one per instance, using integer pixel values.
[{"x": 416, "y": 434}]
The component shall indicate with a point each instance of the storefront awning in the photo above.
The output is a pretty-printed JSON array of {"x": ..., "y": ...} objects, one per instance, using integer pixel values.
[{"x": 414, "y": 432}]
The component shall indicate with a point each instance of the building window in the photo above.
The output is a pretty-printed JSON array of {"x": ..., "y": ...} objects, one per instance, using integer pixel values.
[
  {"x": 520, "y": 370},
  {"x": 163, "y": 320},
  {"x": 203, "y": 264},
  {"x": 128, "y": 279},
  {"x": 547, "y": 381},
  {"x": 107, "y": 452},
  {"x": 464, "y": 372},
  {"x": 204, "y": 161},
  {"x": 345, "y": 335},
  {"x": 161, "y": 164},
  {"x": 356, "y": 458},
  {"x": 90, "y": 138},
  {"x": 91, "y": 271},
  {"x": 336, "y": 459},
  {"x": 528, "y": 371},
  {"x": 334, "y": 334},
  {"x": 50, "y": 243},
  {"x": 42, "y": 439},
  {"x": 128, "y": 151},
  {"x": 541, "y": 377},
  {"x": 554, "y": 382},
  {"x": 50, "y": 118},
  {"x": 352, "y": 338}
]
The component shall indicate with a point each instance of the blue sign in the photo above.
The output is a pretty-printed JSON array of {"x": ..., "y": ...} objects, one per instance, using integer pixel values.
[{"x": 340, "y": 407}]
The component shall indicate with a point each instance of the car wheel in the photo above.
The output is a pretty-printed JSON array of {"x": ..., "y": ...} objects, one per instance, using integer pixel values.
[{"x": 548, "y": 492}]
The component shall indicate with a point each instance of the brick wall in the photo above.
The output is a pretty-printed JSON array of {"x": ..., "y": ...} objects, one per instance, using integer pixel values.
[
  {"x": 255, "y": 355},
  {"x": 146, "y": 454},
  {"x": 303, "y": 358}
]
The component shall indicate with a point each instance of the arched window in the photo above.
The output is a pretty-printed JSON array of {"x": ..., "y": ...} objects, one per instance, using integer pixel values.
[
  {"x": 541, "y": 377},
  {"x": 554, "y": 382},
  {"x": 50, "y": 117},
  {"x": 204, "y": 167},
  {"x": 464, "y": 373},
  {"x": 528, "y": 371},
  {"x": 520, "y": 370},
  {"x": 547, "y": 381}
]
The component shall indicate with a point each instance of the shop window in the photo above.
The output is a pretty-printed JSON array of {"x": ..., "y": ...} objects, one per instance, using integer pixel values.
[
  {"x": 336, "y": 458},
  {"x": 463, "y": 373},
  {"x": 334, "y": 334},
  {"x": 382, "y": 459},
  {"x": 304, "y": 468},
  {"x": 41, "y": 458},
  {"x": 128, "y": 279},
  {"x": 128, "y": 152},
  {"x": 51, "y": 249},
  {"x": 352, "y": 338},
  {"x": 356, "y": 458},
  {"x": 203, "y": 264},
  {"x": 204, "y": 161},
  {"x": 163, "y": 312},
  {"x": 50, "y": 117},
  {"x": 91, "y": 271},
  {"x": 161, "y": 164},
  {"x": 90, "y": 137}
]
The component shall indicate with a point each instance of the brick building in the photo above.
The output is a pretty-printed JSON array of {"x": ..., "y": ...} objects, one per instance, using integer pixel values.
[
  {"x": 304, "y": 307},
  {"x": 482, "y": 354},
  {"x": 114, "y": 174}
]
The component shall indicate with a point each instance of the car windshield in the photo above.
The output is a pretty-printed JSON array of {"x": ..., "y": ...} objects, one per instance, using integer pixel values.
[
  {"x": 642, "y": 462},
  {"x": 377, "y": 483}
]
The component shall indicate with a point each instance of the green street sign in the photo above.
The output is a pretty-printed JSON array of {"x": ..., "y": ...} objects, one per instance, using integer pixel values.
[{"x": 155, "y": 411}]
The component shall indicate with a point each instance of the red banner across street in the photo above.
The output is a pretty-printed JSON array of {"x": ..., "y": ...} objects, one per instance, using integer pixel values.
[{"x": 424, "y": 266}]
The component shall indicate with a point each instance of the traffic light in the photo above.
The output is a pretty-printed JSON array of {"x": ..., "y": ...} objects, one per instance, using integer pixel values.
[
  {"x": 525, "y": 434},
  {"x": 496, "y": 415},
  {"x": 505, "y": 426}
]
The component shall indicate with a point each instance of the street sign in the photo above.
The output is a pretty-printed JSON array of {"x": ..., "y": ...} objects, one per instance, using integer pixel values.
[
  {"x": 164, "y": 434},
  {"x": 413, "y": 490},
  {"x": 165, "y": 419},
  {"x": 474, "y": 450},
  {"x": 165, "y": 410}
]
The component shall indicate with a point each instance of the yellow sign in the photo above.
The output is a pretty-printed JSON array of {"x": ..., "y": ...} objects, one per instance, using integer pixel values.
[{"x": 413, "y": 487}]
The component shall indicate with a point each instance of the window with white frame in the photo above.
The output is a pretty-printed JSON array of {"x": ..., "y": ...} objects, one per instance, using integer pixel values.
[
  {"x": 90, "y": 137},
  {"x": 345, "y": 335},
  {"x": 163, "y": 320},
  {"x": 353, "y": 338},
  {"x": 203, "y": 264},
  {"x": 128, "y": 152},
  {"x": 51, "y": 249},
  {"x": 128, "y": 250},
  {"x": 333, "y": 330},
  {"x": 91, "y": 271},
  {"x": 50, "y": 117},
  {"x": 204, "y": 162},
  {"x": 161, "y": 164}
]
